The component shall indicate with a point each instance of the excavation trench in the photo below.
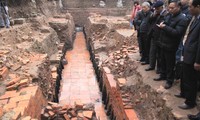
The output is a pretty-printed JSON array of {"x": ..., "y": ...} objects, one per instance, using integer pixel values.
[{"x": 77, "y": 82}]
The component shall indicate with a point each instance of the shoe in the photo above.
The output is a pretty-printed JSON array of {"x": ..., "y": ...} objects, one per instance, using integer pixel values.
[
  {"x": 1, "y": 26},
  {"x": 144, "y": 63},
  {"x": 186, "y": 107},
  {"x": 159, "y": 79},
  {"x": 149, "y": 69},
  {"x": 179, "y": 96},
  {"x": 194, "y": 117},
  {"x": 167, "y": 86},
  {"x": 7, "y": 26}
]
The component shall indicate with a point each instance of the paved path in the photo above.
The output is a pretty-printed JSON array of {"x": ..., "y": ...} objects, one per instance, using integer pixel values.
[{"x": 79, "y": 80}]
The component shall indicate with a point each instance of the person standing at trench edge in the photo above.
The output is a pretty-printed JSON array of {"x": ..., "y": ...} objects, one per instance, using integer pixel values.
[
  {"x": 4, "y": 17},
  {"x": 154, "y": 35},
  {"x": 191, "y": 58},
  {"x": 172, "y": 30},
  {"x": 142, "y": 22}
]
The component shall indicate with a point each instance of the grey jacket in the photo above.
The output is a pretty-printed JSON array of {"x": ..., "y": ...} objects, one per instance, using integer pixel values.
[{"x": 142, "y": 21}]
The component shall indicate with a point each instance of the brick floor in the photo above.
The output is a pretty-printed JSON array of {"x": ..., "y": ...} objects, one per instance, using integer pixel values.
[{"x": 79, "y": 80}]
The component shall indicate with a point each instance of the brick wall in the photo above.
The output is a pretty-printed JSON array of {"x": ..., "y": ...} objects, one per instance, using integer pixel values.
[{"x": 113, "y": 100}]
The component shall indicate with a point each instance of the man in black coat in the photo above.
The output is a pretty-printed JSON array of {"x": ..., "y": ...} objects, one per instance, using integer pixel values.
[
  {"x": 154, "y": 33},
  {"x": 191, "y": 65},
  {"x": 186, "y": 13},
  {"x": 142, "y": 22},
  {"x": 173, "y": 29}
]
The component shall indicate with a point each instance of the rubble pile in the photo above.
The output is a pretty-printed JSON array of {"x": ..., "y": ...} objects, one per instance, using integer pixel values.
[
  {"x": 30, "y": 55},
  {"x": 126, "y": 96},
  {"x": 55, "y": 111},
  {"x": 119, "y": 62}
]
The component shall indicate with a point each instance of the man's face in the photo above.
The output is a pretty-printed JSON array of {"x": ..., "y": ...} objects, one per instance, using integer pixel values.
[
  {"x": 145, "y": 8},
  {"x": 193, "y": 10},
  {"x": 184, "y": 2},
  {"x": 159, "y": 9},
  {"x": 173, "y": 8}
]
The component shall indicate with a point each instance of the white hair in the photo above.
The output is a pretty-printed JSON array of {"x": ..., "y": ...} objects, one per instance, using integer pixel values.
[{"x": 146, "y": 4}]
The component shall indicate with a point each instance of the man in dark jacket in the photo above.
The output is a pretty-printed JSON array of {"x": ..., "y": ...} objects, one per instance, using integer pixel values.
[
  {"x": 191, "y": 65},
  {"x": 186, "y": 13},
  {"x": 173, "y": 29},
  {"x": 142, "y": 21},
  {"x": 154, "y": 34}
]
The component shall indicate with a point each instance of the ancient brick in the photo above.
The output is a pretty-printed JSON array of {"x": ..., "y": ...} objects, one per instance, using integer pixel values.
[
  {"x": 88, "y": 114},
  {"x": 3, "y": 102},
  {"x": 19, "y": 21},
  {"x": 24, "y": 82},
  {"x": 12, "y": 82},
  {"x": 79, "y": 105},
  {"x": 66, "y": 117},
  {"x": 20, "y": 98},
  {"x": 72, "y": 113},
  {"x": 111, "y": 80},
  {"x": 74, "y": 118},
  {"x": 1, "y": 112},
  {"x": 9, "y": 94},
  {"x": 56, "y": 106},
  {"x": 121, "y": 81},
  {"x": 9, "y": 106},
  {"x": 106, "y": 70},
  {"x": 80, "y": 114},
  {"x": 54, "y": 69},
  {"x": 51, "y": 113},
  {"x": 31, "y": 89},
  {"x": 49, "y": 108},
  {"x": 54, "y": 75},
  {"x": 27, "y": 118},
  {"x": 65, "y": 107},
  {"x": 23, "y": 104},
  {"x": 3, "y": 72},
  {"x": 22, "y": 86},
  {"x": 12, "y": 87},
  {"x": 131, "y": 114},
  {"x": 61, "y": 112}
]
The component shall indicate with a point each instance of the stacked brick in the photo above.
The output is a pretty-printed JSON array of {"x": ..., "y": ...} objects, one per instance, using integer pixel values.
[
  {"x": 55, "y": 111},
  {"x": 17, "y": 83},
  {"x": 25, "y": 102},
  {"x": 113, "y": 99},
  {"x": 119, "y": 61}
]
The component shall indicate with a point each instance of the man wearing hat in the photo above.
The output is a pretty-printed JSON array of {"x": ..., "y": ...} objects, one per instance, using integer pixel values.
[{"x": 154, "y": 34}]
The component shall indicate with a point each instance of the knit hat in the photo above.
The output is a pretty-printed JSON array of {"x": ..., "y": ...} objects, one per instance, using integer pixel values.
[{"x": 158, "y": 4}]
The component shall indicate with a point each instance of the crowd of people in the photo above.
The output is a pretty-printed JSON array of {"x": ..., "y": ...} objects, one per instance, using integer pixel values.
[
  {"x": 4, "y": 16},
  {"x": 169, "y": 42}
]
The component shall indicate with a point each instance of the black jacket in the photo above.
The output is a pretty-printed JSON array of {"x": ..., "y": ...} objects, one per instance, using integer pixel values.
[
  {"x": 173, "y": 32},
  {"x": 192, "y": 45},
  {"x": 154, "y": 31},
  {"x": 185, "y": 11},
  {"x": 142, "y": 21}
]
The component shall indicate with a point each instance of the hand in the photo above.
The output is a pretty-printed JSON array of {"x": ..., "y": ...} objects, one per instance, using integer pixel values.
[
  {"x": 161, "y": 25},
  {"x": 197, "y": 66}
]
